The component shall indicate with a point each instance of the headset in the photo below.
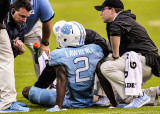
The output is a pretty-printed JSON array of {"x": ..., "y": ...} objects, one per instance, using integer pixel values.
[{"x": 13, "y": 12}]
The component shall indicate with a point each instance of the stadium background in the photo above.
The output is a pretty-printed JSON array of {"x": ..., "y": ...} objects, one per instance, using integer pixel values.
[{"x": 82, "y": 11}]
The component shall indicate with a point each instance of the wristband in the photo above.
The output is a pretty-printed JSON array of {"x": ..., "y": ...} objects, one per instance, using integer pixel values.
[
  {"x": 46, "y": 43},
  {"x": 115, "y": 57}
]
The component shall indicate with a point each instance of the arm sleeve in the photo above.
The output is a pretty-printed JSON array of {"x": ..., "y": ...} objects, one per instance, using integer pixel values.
[
  {"x": 94, "y": 38},
  {"x": 46, "y": 78},
  {"x": 115, "y": 31},
  {"x": 120, "y": 27},
  {"x": 46, "y": 10}
]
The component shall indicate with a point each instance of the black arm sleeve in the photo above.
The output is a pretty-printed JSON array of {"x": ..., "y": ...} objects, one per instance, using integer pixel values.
[
  {"x": 93, "y": 37},
  {"x": 4, "y": 7},
  {"x": 46, "y": 78}
]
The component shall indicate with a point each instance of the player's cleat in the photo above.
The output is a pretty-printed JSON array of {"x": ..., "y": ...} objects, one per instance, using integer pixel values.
[
  {"x": 139, "y": 101},
  {"x": 15, "y": 108},
  {"x": 19, "y": 103},
  {"x": 102, "y": 101},
  {"x": 112, "y": 107},
  {"x": 54, "y": 109}
]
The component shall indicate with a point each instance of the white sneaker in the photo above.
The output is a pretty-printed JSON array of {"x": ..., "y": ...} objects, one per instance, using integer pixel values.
[
  {"x": 15, "y": 108},
  {"x": 139, "y": 101},
  {"x": 102, "y": 101}
]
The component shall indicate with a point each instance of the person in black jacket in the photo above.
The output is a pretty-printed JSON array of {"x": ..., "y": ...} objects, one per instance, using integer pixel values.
[
  {"x": 125, "y": 34},
  {"x": 16, "y": 24},
  {"x": 8, "y": 101}
]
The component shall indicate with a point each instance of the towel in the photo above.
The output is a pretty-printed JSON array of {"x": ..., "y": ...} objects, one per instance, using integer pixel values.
[
  {"x": 133, "y": 74},
  {"x": 43, "y": 59}
]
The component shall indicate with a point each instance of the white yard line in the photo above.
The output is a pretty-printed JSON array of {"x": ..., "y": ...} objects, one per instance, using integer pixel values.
[{"x": 154, "y": 23}]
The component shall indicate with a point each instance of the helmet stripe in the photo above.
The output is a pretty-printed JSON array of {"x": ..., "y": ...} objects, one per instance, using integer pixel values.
[{"x": 82, "y": 37}]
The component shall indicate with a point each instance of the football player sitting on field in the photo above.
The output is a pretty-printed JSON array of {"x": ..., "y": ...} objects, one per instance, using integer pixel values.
[{"x": 75, "y": 65}]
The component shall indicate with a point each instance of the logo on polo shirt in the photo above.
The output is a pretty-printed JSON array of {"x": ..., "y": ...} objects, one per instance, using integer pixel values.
[{"x": 32, "y": 12}]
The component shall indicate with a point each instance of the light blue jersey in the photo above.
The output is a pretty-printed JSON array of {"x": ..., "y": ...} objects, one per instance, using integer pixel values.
[
  {"x": 41, "y": 10},
  {"x": 81, "y": 65}
]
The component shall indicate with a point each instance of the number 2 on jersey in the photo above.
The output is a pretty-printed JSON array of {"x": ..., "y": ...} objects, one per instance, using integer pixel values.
[{"x": 86, "y": 62}]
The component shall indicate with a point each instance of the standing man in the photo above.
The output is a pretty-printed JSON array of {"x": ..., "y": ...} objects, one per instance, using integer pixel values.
[
  {"x": 126, "y": 35},
  {"x": 7, "y": 81},
  {"x": 37, "y": 31}
]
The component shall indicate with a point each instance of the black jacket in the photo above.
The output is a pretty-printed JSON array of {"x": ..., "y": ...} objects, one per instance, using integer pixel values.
[
  {"x": 134, "y": 37},
  {"x": 14, "y": 31},
  {"x": 93, "y": 37}
]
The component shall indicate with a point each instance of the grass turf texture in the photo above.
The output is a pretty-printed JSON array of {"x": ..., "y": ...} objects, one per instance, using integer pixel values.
[{"x": 82, "y": 11}]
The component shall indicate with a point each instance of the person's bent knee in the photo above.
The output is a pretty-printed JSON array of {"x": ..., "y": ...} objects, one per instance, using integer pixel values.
[
  {"x": 106, "y": 69},
  {"x": 25, "y": 92},
  {"x": 42, "y": 96}
]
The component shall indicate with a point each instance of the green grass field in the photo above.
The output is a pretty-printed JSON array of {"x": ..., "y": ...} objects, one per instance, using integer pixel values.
[{"x": 83, "y": 12}]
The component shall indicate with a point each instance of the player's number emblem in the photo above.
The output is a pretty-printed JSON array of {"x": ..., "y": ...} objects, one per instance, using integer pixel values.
[{"x": 86, "y": 62}]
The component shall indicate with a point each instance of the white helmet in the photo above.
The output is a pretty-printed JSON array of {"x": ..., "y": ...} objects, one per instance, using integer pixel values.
[
  {"x": 57, "y": 26},
  {"x": 71, "y": 34}
]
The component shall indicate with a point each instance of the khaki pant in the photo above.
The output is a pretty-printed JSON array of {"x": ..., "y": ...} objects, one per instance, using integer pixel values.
[
  {"x": 7, "y": 80},
  {"x": 35, "y": 35},
  {"x": 114, "y": 73},
  {"x": 98, "y": 90}
]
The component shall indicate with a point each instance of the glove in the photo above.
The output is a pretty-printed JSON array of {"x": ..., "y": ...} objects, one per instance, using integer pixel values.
[{"x": 54, "y": 109}]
